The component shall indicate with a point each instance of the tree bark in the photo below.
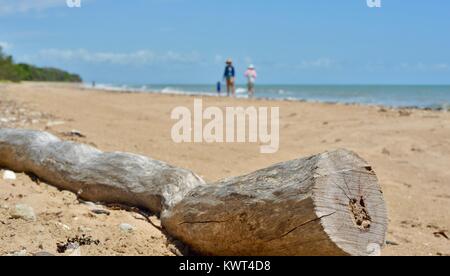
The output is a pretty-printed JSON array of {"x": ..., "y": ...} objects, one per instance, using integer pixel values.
[
  {"x": 328, "y": 204},
  {"x": 114, "y": 177}
]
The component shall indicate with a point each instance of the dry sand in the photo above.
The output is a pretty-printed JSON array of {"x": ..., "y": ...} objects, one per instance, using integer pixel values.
[{"x": 409, "y": 150}]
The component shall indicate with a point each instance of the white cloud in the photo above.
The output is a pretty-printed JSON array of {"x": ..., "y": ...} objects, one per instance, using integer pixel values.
[
  {"x": 23, "y": 6},
  {"x": 248, "y": 60},
  {"x": 5, "y": 45},
  {"x": 442, "y": 66},
  {"x": 219, "y": 59},
  {"x": 320, "y": 63},
  {"x": 11, "y": 7},
  {"x": 420, "y": 66},
  {"x": 141, "y": 57}
]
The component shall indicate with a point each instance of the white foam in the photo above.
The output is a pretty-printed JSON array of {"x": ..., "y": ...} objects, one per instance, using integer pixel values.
[{"x": 241, "y": 90}]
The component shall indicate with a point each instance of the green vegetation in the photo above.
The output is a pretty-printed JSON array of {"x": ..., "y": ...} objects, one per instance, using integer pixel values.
[{"x": 10, "y": 71}]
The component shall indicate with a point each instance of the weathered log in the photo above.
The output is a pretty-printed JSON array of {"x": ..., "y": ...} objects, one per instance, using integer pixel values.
[
  {"x": 94, "y": 175},
  {"x": 328, "y": 204}
]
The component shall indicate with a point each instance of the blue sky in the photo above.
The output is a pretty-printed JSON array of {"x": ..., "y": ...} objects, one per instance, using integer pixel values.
[{"x": 187, "y": 41}]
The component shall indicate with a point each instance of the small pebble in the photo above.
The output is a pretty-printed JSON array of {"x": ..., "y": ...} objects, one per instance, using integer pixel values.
[
  {"x": 22, "y": 211},
  {"x": 125, "y": 227},
  {"x": 84, "y": 229},
  {"x": 9, "y": 175},
  {"x": 64, "y": 226},
  {"x": 100, "y": 212},
  {"x": 43, "y": 254},
  {"x": 21, "y": 253},
  {"x": 55, "y": 123}
]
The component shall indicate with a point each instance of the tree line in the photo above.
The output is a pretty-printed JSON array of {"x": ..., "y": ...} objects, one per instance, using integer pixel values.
[{"x": 10, "y": 71}]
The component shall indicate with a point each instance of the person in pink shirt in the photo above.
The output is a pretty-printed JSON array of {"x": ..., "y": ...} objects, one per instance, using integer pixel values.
[{"x": 251, "y": 76}]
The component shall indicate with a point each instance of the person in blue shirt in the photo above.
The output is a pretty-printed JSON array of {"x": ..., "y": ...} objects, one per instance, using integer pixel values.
[
  {"x": 219, "y": 87},
  {"x": 229, "y": 76}
]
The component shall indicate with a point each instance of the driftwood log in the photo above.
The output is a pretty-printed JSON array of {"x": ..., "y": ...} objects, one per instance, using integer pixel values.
[
  {"x": 327, "y": 204},
  {"x": 94, "y": 175}
]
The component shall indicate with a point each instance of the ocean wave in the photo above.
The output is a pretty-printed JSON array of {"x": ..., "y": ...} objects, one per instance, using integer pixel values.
[
  {"x": 388, "y": 96},
  {"x": 240, "y": 90},
  {"x": 108, "y": 87}
]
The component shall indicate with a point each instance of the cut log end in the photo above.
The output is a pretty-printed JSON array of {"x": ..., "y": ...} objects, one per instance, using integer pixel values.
[
  {"x": 349, "y": 201},
  {"x": 327, "y": 204}
]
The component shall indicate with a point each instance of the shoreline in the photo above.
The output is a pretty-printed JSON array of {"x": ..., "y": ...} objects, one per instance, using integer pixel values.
[{"x": 112, "y": 89}]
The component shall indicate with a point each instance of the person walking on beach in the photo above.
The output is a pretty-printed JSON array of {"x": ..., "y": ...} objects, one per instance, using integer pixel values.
[
  {"x": 219, "y": 87},
  {"x": 229, "y": 77},
  {"x": 251, "y": 76}
]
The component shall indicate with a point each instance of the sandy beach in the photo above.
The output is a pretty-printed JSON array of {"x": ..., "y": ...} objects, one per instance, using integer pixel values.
[{"x": 408, "y": 149}]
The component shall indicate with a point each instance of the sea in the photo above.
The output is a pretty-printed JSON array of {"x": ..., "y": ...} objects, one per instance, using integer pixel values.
[{"x": 436, "y": 97}]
